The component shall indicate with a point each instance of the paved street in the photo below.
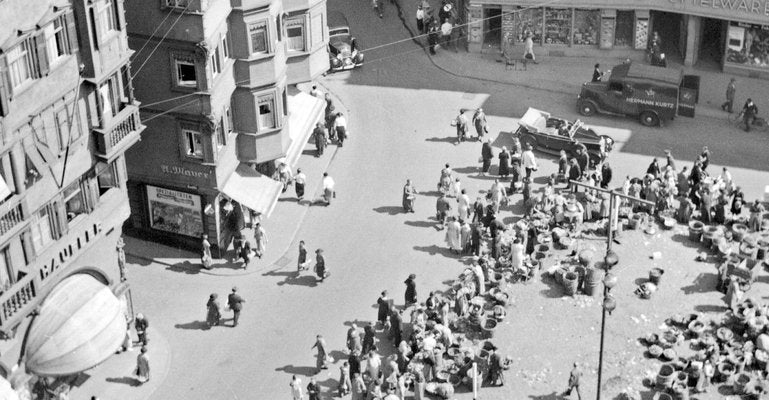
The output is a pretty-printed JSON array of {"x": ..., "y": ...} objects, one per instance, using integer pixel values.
[{"x": 399, "y": 107}]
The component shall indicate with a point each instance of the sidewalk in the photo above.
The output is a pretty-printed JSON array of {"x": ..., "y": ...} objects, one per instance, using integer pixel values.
[
  {"x": 281, "y": 226},
  {"x": 115, "y": 378}
]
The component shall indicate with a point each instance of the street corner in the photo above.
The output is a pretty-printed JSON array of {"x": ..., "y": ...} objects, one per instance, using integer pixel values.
[{"x": 115, "y": 378}]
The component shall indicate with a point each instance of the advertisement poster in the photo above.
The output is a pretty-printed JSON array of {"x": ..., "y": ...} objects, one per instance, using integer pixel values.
[{"x": 174, "y": 211}]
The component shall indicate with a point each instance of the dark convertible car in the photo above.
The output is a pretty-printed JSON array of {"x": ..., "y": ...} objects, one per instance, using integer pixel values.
[
  {"x": 343, "y": 49},
  {"x": 551, "y": 135}
]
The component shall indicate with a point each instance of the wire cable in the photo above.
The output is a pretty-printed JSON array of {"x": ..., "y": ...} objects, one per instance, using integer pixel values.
[
  {"x": 172, "y": 109},
  {"x": 181, "y": 14}
]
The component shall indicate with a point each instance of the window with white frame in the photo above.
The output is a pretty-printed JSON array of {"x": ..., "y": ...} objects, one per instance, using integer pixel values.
[
  {"x": 266, "y": 111},
  {"x": 19, "y": 64},
  {"x": 221, "y": 135},
  {"x": 176, "y": 3},
  {"x": 186, "y": 75},
  {"x": 193, "y": 142},
  {"x": 56, "y": 40},
  {"x": 106, "y": 13},
  {"x": 215, "y": 61},
  {"x": 62, "y": 128},
  {"x": 42, "y": 234},
  {"x": 295, "y": 33},
  {"x": 257, "y": 33},
  {"x": 225, "y": 47},
  {"x": 317, "y": 29}
]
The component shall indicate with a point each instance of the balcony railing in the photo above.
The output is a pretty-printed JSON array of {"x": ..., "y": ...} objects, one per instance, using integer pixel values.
[
  {"x": 124, "y": 131},
  {"x": 10, "y": 219},
  {"x": 17, "y": 302}
]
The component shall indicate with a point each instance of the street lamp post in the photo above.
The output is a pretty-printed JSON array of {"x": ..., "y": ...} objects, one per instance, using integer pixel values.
[{"x": 609, "y": 304}]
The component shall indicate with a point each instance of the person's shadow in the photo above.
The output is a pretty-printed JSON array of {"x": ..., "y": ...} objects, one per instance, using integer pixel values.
[
  {"x": 294, "y": 370},
  {"x": 126, "y": 380},
  {"x": 194, "y": 325}
]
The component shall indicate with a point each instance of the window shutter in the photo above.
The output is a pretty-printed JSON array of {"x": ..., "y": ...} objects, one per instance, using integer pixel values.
[
  {"x": 61, "y": 218},
  {"x": 42, "y": 55},
  {"x": 120, "y": 10},
  {"x": 72, "y": 32},
  {"x": 4, "y": 98}
]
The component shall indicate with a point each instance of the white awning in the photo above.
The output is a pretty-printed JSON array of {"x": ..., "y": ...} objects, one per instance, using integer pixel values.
[
  {"x": 253, "y": 190},
  {"x": 304, "y": 111}
]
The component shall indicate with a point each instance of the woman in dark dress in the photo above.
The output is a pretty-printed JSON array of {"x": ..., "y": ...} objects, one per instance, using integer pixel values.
[
  {"x": 320, "y": 265},
  {"x": 504, "y": 163},
  {"x": 214, "y": 310},
  {"x": 486, "y": 156},
  {"x": 738, "y": 200},
  {"x": 411, "y": 290}
]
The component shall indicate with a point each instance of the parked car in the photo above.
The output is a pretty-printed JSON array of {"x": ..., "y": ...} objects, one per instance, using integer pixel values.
[
  {"x": 652, "y": 94},
  {"x": 343, "y": 49},
  {"x": 551, "y": 135}
]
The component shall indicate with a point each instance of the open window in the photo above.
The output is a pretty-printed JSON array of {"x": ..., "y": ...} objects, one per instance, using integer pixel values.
[{"x": 616, "y": 87}]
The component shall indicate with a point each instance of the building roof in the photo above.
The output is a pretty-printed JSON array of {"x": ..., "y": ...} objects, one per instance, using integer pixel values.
[
  {"x": 669, "y": 76},
  {"x": 23, "y": 15}
]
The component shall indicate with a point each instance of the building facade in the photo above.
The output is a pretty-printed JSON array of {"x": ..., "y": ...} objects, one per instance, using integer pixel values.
[
  {"x": 215, "y": 79},
  {"x": 730, "y": 34},
  {"x": 67, "y": 116}
]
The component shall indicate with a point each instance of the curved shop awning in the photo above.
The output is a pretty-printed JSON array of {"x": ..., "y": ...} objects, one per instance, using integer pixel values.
[
  {"x": 80, "y": 325},
  {"x": 253, "y": 190}
]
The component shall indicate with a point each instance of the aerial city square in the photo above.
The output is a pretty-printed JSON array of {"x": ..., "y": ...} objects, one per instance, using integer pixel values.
[{"x": 384, "y": 199}]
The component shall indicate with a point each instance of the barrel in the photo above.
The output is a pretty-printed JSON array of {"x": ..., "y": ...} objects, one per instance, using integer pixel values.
[
  {"x": 763, "y": 249},
  {"x": 664, "y": 396},
  {"x": 635, "y": 221},
  {"x": 665, "y": 376},
  {"x": 710, "y": 233},
  {"x": 739, "y": 231},
  {"x": 748, "y": 251},
  {"x": 742, "y": 382},
  {"x": 695, "y": 230},
  {"x": 655, "y": 275},
  {"x": 726, "y": 372},
  {"x": 570, "y": 282},
  {"x": 593, "y": 279}
]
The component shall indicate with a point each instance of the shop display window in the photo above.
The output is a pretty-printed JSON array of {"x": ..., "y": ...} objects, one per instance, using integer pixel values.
[
  {"x": 557, "y": 25},
  {"x": 748, "y": 45},
  {"x": 623, "y": 32},
  {"x": 586, "y": 26},
  {"x": 528, "y": 22}
]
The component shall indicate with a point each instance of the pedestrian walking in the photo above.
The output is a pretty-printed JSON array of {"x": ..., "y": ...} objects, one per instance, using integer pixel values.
[
  {"x": 354, "y": 343},
  {"x": 120, "y": 250},
  {"x": 317, "y": 92},
  {"x": 487, "y": 154},
  {"x": 358, "y": 387},
  {"x": 260, "y": 240},
  {"x": 205, "y": 258},
  {"x": 141, "y": 324},
  {"x": 749, "y": 112},
  {"x": 597, "y": 74},
  {"x": 463, "y": 205},
  {"x": 296, "y": 388},
  {"x": 340, "y": 126},
  {"x": 446, "y": 29},
  {"x": 235, "y": 302},
  {"x": 462, "y": 126},
  {"x": 345, "y": 384},
  {"x": 504, "y": 163},
  {"x": 421, "y": 19},
  {"x": 411, "y": 290},
  {"x": 529, "y": 162},
  {"x": 300, "y": 179},
  {"x": 443, "y": 208},
  {"x": 479, "y": 120},
  {"x": 383, "y": 308},
  {"x": 142, "y": 371},
  {"x": 313, "y": 388},
  {"x": 409, "y": 196},
  {"x": 284, "y": 175},
  {"x": 320, "y": 265},
  {"x": 321, "y": 357},
  {"x": 246, "y": 253},
  {"x": 369, "y": 339},
  {"x": 328, "y": 188},
  {"x": 301, "y": 261},
  {"x": 319, "y": 134},
  {"x": 731, "y": 89},
  {"x": 433, "y": 35},
  {"x": 705, "y": 158},
  {"x": 606, "y": 173},
  {"x": 453, "y": 235},
  {"x": 496, "y": 368},
  {"x": 214, "y": 310},
  {"x": 528, "y": 49},
  {"x": 574, "y": 377}
]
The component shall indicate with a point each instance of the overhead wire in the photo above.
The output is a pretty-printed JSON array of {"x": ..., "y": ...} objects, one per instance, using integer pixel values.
[
  {"x": 172, "y": 109},
  {"x": 181, "y": 14}
]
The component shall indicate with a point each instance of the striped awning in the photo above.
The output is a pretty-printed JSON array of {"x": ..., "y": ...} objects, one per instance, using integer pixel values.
[{"x": 80, "y": 325}]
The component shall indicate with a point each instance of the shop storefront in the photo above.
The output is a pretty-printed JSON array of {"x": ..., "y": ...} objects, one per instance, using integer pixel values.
[{"x": 727, "y": 35}]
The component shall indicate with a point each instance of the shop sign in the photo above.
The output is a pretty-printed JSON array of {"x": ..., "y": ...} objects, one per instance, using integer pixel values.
[
  {"x": 69, "y": 251},
  {"x": 758, "y": 7},
  {"x": 174, "y": 211},
  {"x": 181, "y": 171}
]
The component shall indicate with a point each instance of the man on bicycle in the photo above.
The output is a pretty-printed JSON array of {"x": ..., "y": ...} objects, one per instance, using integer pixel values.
[{"x": 749, "y": 112}]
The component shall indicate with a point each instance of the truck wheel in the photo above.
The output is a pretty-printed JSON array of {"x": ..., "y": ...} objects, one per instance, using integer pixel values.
[
  {"x": 586, "y": 108},
  {"x": 649, "y": 118}
]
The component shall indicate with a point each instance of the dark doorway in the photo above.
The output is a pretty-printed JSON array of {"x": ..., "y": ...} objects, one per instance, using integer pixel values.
[
  {"x": 672, "y": 33},
  {"x": 711, "y": 44},
  {"x": 492, "y": 28}
]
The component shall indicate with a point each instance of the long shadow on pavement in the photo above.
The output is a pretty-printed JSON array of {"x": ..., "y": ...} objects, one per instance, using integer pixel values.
[
  {"x": 291, "y": 278},
  {"x": 126, "y": 380},
  {"x": 435, "y": 249},
  {"x": 551, "y": 396},
  {"x": 390, "y": 210},
  {"x": 194, "y": 325},
  {"x": 294, "y": 370},
  {"x": 447, "y": 139},
  {"x": 422, "y": 224}
]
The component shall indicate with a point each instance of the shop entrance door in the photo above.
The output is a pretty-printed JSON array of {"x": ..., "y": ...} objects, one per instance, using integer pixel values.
[
  {"x": 492, "y": 28},
  {"x": 711, "y": 44},
  {"x": 672, "y": 33}
]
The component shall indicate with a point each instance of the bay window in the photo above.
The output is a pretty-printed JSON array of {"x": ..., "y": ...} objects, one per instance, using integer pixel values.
[{"x": 295, "y": 33}]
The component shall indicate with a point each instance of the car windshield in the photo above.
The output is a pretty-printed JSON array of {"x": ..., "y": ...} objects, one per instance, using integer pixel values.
[{"x": 338, "y": 31}]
